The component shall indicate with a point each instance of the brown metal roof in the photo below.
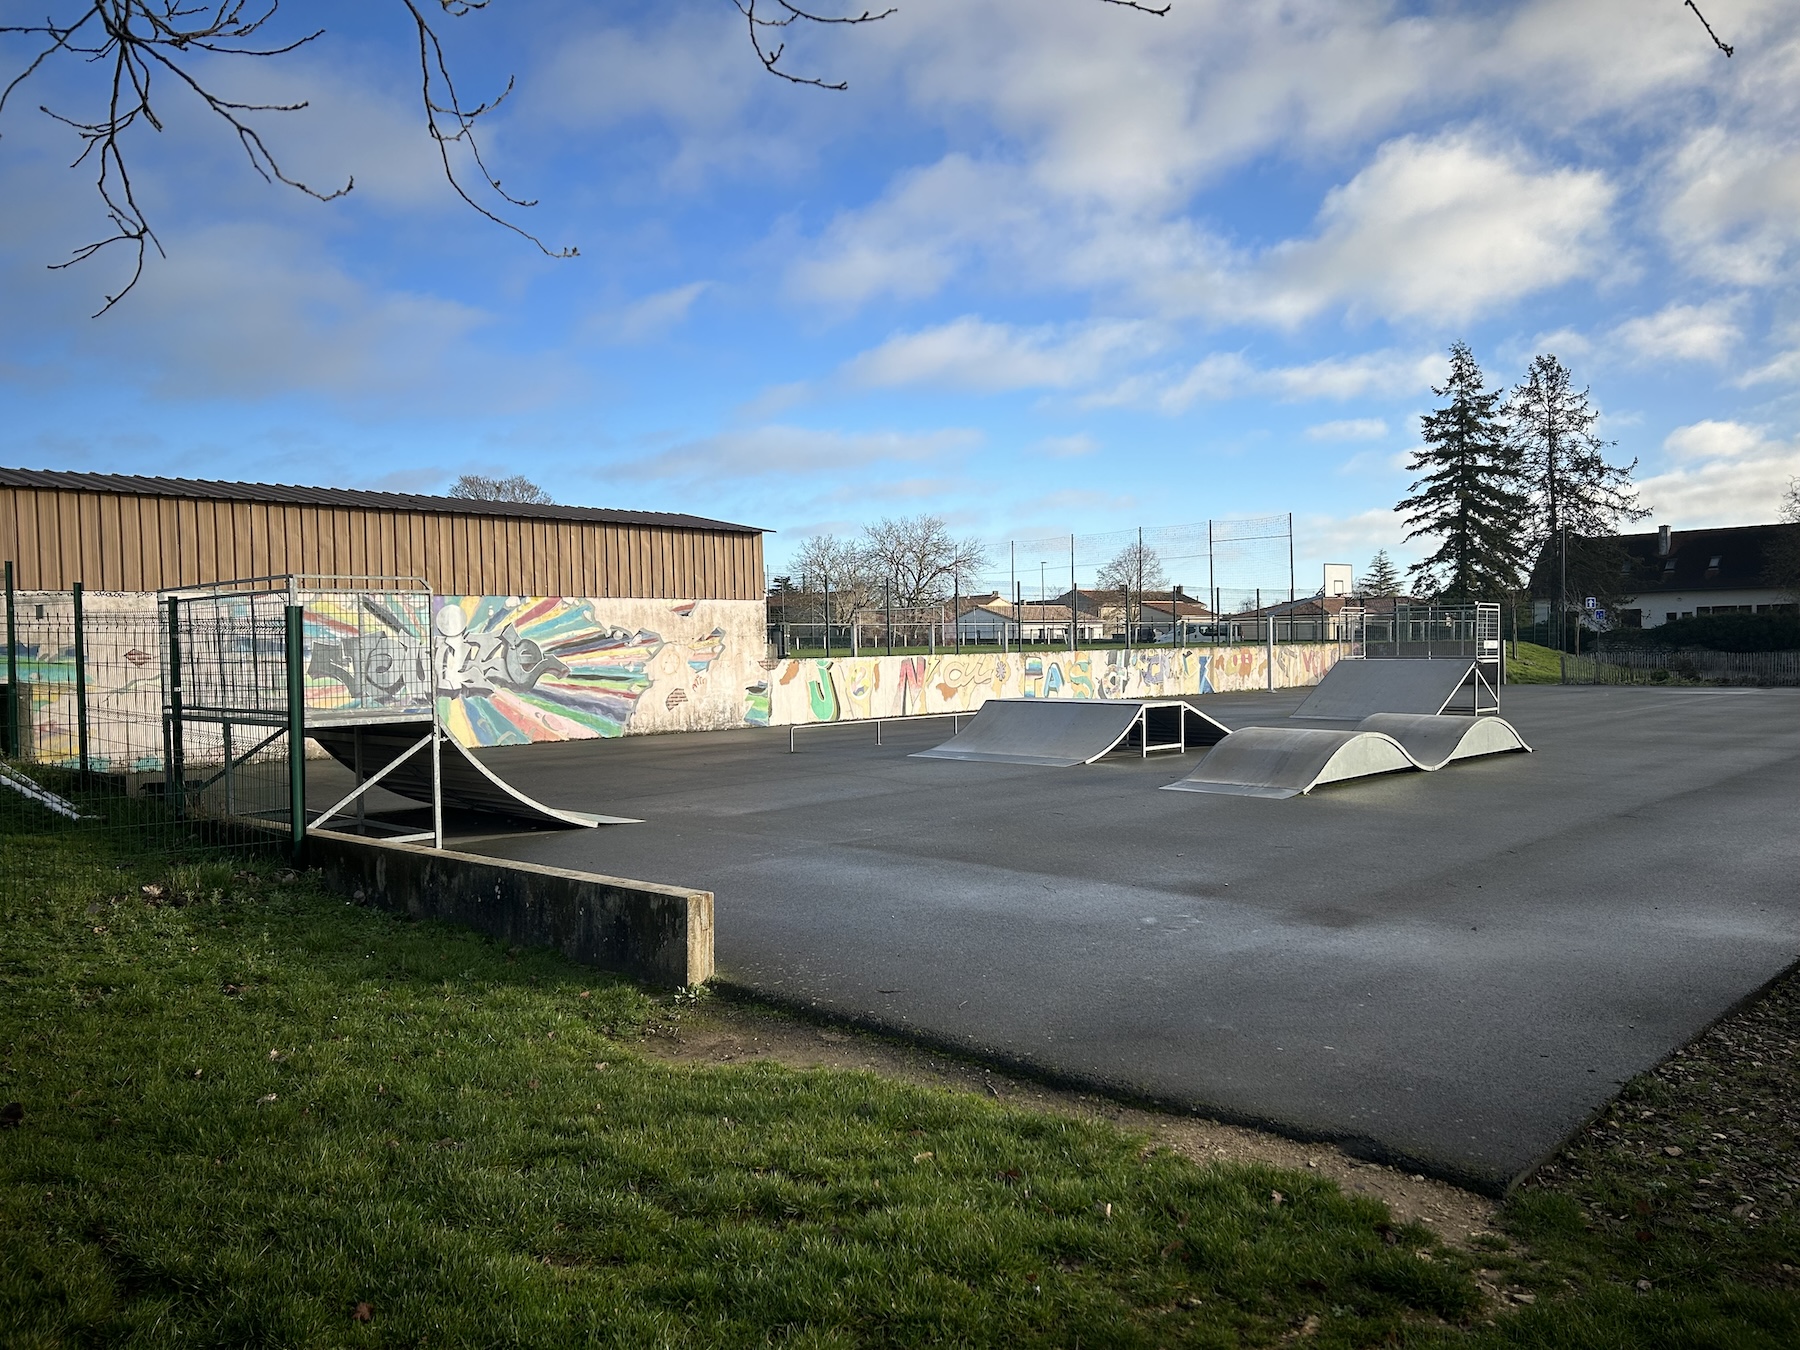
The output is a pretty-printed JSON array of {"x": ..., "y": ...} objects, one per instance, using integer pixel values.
[{"x": 289, "y": 495}]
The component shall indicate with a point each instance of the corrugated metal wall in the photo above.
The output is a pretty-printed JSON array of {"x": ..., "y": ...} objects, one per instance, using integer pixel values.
[{"x": 120, "y": 542}]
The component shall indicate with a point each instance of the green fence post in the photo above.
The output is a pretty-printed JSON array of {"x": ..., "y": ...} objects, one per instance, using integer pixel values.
[
  {"x": 81, "y": 725},
  {"x": 12, "y": 670},
  {"x": 296, "y": 717},
  {"x": 175, "y": 771}
]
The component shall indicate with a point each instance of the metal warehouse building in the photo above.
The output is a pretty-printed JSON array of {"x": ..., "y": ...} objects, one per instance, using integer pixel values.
[
  {"x": 549, "y": 622},
  {"x": 119, "y": 532}
]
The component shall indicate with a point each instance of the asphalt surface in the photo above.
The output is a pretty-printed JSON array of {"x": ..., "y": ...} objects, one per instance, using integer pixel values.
[{"x": 1448, "y": 970}]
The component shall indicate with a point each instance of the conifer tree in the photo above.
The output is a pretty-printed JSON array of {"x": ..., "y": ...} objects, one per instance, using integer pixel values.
[
  {"x": 1382, "y": 578},
  {"x": 1468, "y": 494},
  {"x": 1577, "y": 499}
]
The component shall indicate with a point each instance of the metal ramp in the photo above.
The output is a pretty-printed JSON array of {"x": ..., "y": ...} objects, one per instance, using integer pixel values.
[
  {"x": 1060, "y": 733},
  {"x": 1355, "y": 689},
  {"x": 1288, "y": 761},
  {"x": 1291, "y": 761},
  {"x": 396, "y": 756},
  {"x": 1433, "y": 742}
]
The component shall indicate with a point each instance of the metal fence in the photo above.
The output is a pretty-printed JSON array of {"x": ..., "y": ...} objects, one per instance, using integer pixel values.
[
  {"x": 1683, "y": 666},
  {"x": 147, "y": 730},
  {"x": 1067, "y": 590},
  {"x": 1428, "y": 631}
]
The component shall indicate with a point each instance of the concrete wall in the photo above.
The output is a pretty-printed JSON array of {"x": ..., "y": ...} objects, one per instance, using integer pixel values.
[
  {"x": 510, "y": 670},
  {"x": 849, "y": 688},
  {"x": 662, "y": 935}
]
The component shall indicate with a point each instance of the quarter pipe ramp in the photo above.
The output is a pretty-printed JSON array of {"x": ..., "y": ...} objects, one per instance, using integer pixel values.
[
  {"x": 466, "y": 782},
  {"x": 1353, "y": 690}
]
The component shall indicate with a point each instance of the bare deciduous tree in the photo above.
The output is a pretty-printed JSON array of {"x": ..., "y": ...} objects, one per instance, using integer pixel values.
[
  {"x": 139, "y": 43},
  {"x": 920, "y": 561},
  {"x": 1133, "y": 570},
  {"x": 841, "y": 567},
  {"x": 475, "y": 487}
]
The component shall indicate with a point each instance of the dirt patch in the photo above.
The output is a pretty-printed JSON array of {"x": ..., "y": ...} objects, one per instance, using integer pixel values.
[
  {"x": 1706, "y": 1142},
  {"x": 723, "y": 1031}
]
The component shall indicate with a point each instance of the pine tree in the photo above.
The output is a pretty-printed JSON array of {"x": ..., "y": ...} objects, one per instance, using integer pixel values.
[
  {"x": 1577, "y": 499},
  {"x": 1468, "y": 494},
  {"x": 1382, "y": 578}
]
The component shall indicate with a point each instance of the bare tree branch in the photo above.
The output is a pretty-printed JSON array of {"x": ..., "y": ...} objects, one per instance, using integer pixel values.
[
  {"x": 1709, "y": 29},
  {"x": 142, "y": 38},
  {"x": 787, "y": 15}
]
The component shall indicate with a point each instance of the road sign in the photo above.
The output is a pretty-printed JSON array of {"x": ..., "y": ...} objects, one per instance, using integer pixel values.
[
  {"x": 1599, "y": 616},
  {"x": 1591, "y": 602}
]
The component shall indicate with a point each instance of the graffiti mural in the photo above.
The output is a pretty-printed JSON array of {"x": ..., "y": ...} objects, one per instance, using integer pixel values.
[
  {"x": 845, "y": 689},
  {"x": 368, "y": 652},
  {"x": 511, "y": 669}
]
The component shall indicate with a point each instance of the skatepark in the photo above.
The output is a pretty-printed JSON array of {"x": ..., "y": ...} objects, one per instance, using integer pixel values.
[{"x": 1450, "y": 964}]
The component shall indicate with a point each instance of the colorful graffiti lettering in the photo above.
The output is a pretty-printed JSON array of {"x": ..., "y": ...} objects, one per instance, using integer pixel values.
[
  {"x": 510, "y": 670},
  {"x": 537, "y": 670},
  {"x": 904, "y": 686}
]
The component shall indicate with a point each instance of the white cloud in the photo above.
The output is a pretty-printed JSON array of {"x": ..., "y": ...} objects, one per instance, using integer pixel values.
[
  {"x": 1067, "y": 447},
  {"x": 773, "y": 451},
  {"x": 1352, "y": 429},
  {"x": 1684, "y": 332},
  {"x": 970, "y": 353},
  {"x": 1724, "y": 473},
  {"x": 649, "y": 318},
  {"x": 1376, "y": 462},
  {"x": 1226, "y": 375},
  {"x": 1712, "y": 439},
  {"x": 1439, "y": 229},
  {"x": 1783, "y": 368}
]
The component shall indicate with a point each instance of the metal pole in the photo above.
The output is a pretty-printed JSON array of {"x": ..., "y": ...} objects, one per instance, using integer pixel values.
[
  {"x": 1012, "y": 575},
  {"x": 12, "y": 670},
  {"x": 1074, "y": 597},
  {"x": 1268, "y": 639},
  {"x": 827, "y": 581},
  {"x": 1290, "y": 557},
  {"x": 1212, "y": 587},
  {"x": 176, "y": 775},
  {"x": 296, "y": 727},
  {"x": 1043, "y": 607},
  {"x": 81, "y": 721},
  {"x": 956, "y": 608}
]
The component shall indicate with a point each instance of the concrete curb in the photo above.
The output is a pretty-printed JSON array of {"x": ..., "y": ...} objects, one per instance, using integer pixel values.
[{"x": 662, "y": 935}]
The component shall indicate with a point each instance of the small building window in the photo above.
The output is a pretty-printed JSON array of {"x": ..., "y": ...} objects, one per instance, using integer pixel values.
[
  {"x": 1714, "y": 562},
  {"x": 1669, "y": 566}
]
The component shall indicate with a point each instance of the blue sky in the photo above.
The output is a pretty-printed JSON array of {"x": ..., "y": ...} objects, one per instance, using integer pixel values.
[{"x": 1047, "y": 266}]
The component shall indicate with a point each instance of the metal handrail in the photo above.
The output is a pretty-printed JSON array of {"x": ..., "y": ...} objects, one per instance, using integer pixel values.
[{"x": 879, "y": 723}]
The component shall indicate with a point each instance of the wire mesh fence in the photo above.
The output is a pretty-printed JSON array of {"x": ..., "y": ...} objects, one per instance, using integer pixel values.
[
  {"x": 1207, "y": 582},
  {"x": 140, "y": 728}
]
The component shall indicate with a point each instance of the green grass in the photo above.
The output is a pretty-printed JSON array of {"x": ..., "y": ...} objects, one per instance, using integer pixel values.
[
  {"x": 1533, "y": 664},
  {"x": 250, "y": 1110}
]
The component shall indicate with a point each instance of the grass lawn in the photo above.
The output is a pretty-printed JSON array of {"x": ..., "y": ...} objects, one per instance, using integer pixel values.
[
  {"x": 1533, "y": 664},
  {"x": 250, "y": 1113}
]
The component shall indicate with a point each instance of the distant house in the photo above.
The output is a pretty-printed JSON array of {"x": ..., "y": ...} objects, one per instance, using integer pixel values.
[
  {"x": 1103, "y": 612},
  {"x": 990, "y": 619},
  {"x": 1680, "y": 574}
]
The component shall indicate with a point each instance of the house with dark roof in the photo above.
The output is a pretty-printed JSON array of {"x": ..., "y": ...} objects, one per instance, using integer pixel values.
[{"x": 1681, "y": 574}]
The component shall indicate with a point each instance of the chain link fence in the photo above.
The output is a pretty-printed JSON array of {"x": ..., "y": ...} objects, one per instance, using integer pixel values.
[
  {"x": 1207, "y": 582},
  {"x": 145, "y": 729}
]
